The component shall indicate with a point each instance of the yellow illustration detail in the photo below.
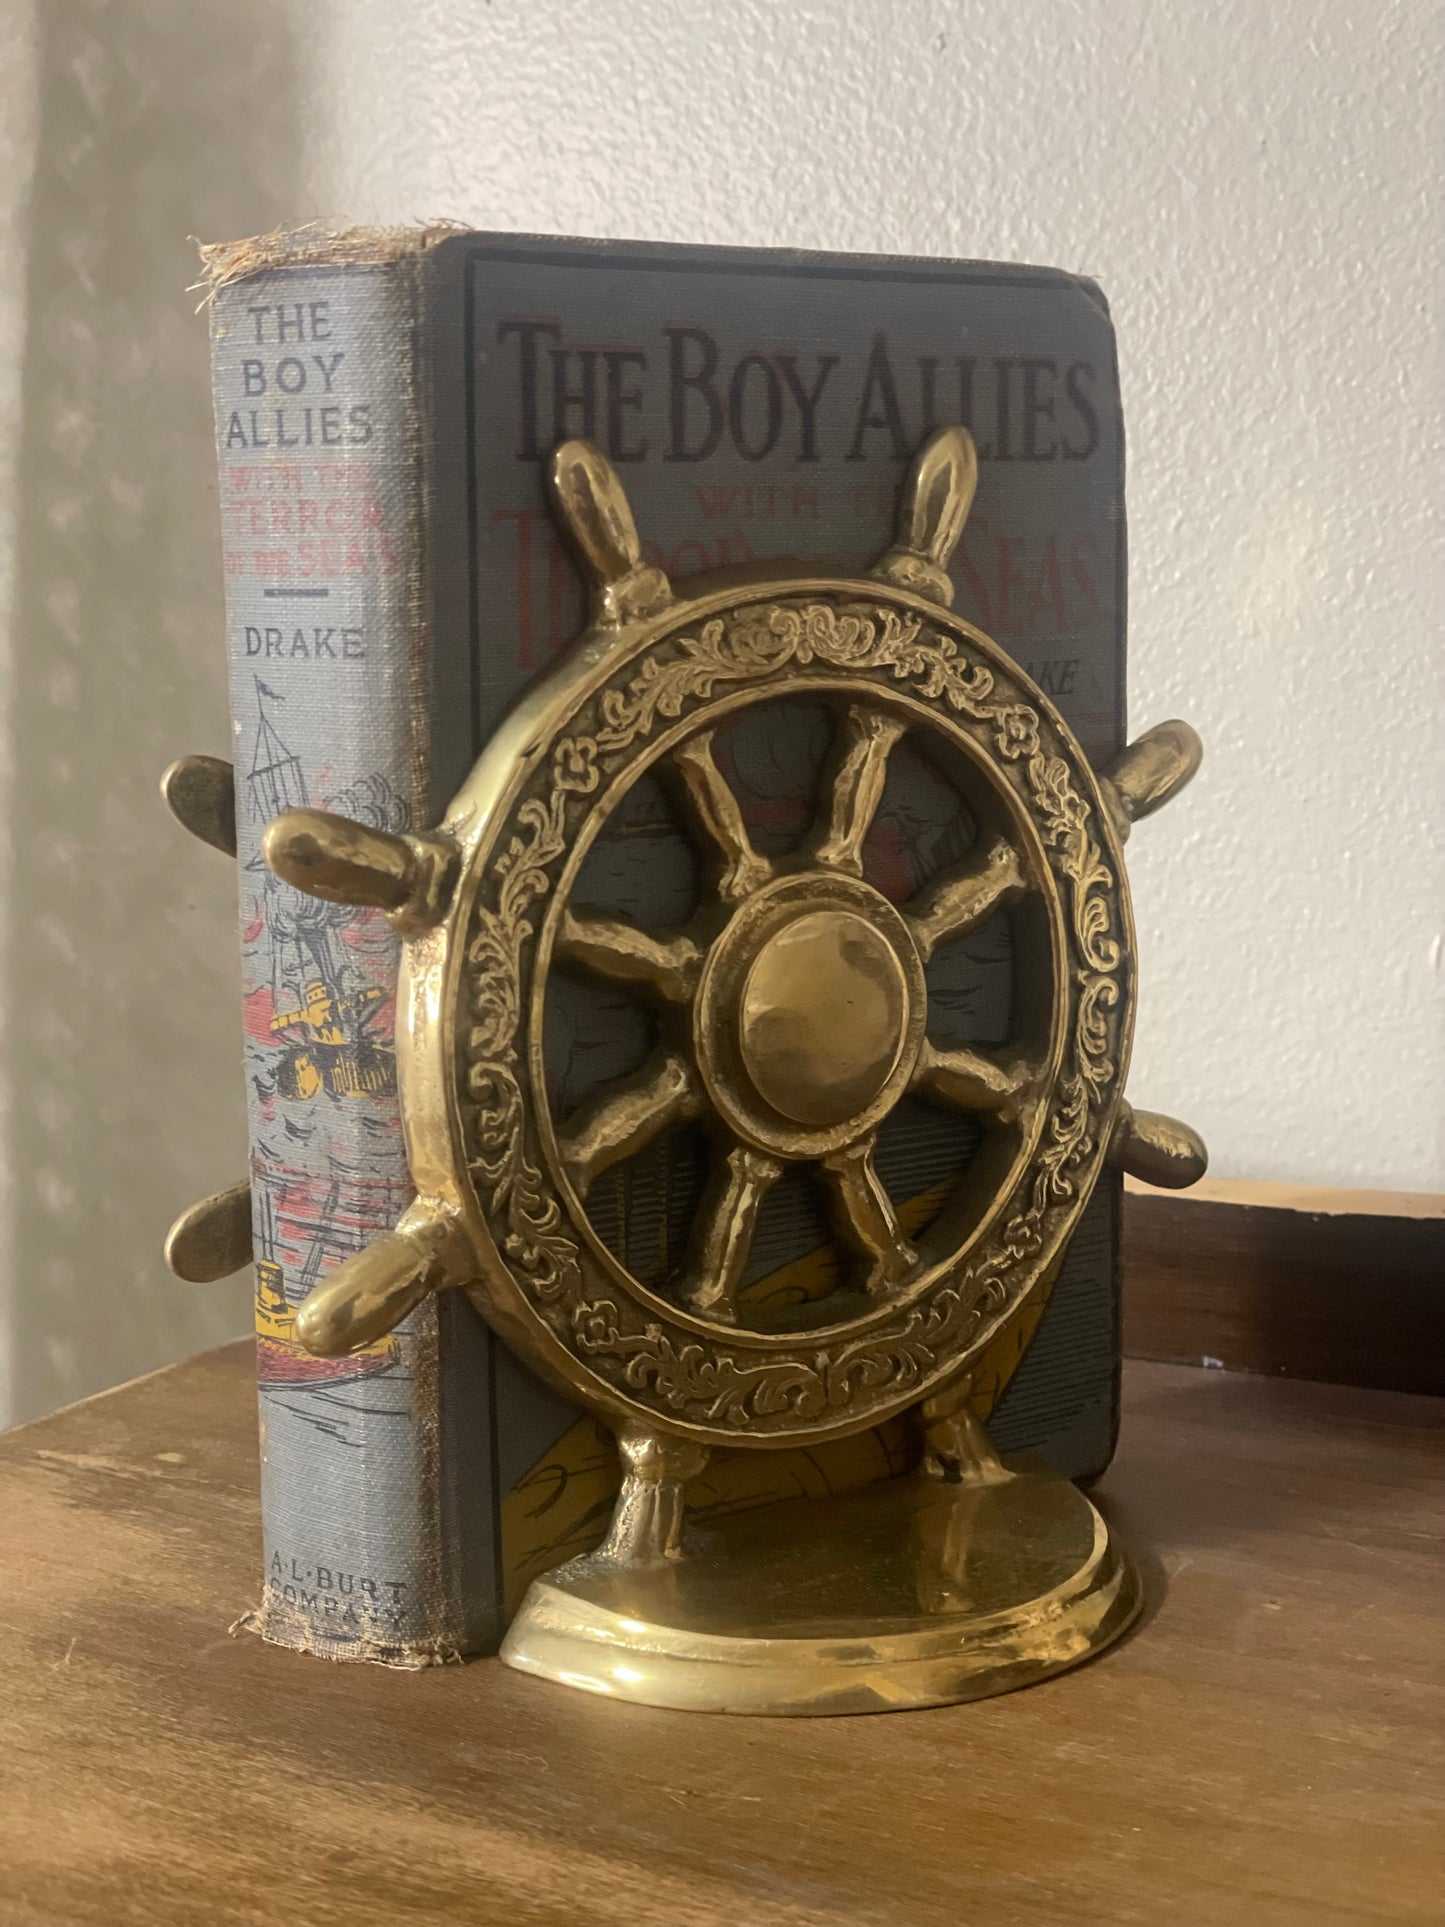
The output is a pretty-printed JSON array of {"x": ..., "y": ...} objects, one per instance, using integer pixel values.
[
  {"x": 276, "y": 1316},
  {"x": 327, "y": 1048}
]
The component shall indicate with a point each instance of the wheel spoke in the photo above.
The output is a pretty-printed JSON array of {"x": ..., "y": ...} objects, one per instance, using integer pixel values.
[
  {"x": 717, "y": 815},
  {"x": 864, "y": 1217},
  {"x": 962, "y": 900},
  {"x": 622, "y": 1120},
  {"x": 973, "y": 1081},
  {"x": 723, "y": 1241},
  {"x": 667, "y": 964},
  {"x": 859, "y": 773}
]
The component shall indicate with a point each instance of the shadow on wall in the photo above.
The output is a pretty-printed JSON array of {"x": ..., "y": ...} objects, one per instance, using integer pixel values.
[{"x": 158, "y": 119}]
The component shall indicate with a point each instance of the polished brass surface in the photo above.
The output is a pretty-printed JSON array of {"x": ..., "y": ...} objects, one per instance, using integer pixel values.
[
  {"x": 213, "y": 1238},
  {"x": 822, "y": 1017},
  {"x": 856, "y": 788},
  {"x": 647, "y": 1522},
  {"x": 598, "y": 517},
  {"x": 956, "y": 1448},
  {"x": 932, "y": 511},
  {"x": 1158, "y": 1150},
  {"x": 779, "y": 1066},
  {"x": 1151, "y": 770},
  {"x": 864, "y": 1218},
  {"x": 200, "y": 793},
  {"x": 409, "y": 877},
  {"x": 967, "y": 897},
  {"x": 723, "y": 1239},
  {"x": 382, "y": 1284},
  {"x": 738, "y": 869},
  {"x": 792, "y": 1015},
  {"x": 668, "y": 964},
  {"x": 1001, "y": 1083},
  {"x": 914, "y": 1592},
  {"x": 664, "y": 1092}
]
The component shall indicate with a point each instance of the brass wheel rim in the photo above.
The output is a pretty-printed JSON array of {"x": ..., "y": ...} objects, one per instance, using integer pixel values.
[
  {"x": 752, "y": 987},
  {"x": 543, "y": 1273}
]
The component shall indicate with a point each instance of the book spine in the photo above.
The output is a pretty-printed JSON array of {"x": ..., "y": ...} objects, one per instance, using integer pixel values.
[{"x": 316, "y": 398}]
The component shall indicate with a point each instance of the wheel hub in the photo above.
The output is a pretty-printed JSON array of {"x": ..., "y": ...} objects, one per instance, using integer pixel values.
[
  {"x": 809, "y": 1015},
  {"x": 822, "y": 1017}
]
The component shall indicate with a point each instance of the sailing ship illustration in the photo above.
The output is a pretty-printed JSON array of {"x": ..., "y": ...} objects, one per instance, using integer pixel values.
[
  {"x": 317, "y": 1043},
  {"x": 322, "y": 1010},
  {"x": 280, "y": 1358}
]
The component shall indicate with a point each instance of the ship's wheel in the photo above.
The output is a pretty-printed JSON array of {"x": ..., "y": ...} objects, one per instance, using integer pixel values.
[
  {"x": 795, "y": 1013},
  {"x": 790, "y": 1009}
]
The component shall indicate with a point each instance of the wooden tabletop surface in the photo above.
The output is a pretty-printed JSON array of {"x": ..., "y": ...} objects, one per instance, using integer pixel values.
[{"x": 1269, "y": 1746}]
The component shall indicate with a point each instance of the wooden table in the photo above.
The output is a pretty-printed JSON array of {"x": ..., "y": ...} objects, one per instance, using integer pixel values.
[{"x": 1267, "y": 1747}]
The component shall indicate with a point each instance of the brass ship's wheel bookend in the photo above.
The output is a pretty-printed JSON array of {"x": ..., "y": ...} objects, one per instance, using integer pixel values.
[{"x": 790, "y": 1015}]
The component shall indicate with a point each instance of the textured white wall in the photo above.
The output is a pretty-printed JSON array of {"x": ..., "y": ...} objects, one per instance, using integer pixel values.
[
  {"x": 17, "y": 154},
  {"x": 123, "y": 129},
  {"x": 1253, "y": 184}
]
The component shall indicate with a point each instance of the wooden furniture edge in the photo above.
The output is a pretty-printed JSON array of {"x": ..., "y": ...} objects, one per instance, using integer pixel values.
[
  {"x": 1336, "y": 1201},
  {"x": 1345, "y": 1286}
]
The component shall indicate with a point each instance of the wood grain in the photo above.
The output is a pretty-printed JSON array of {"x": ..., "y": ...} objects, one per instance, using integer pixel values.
[
  {"x": 1332, "y": 1285},
  {"x": 1267, "y": 1748}
]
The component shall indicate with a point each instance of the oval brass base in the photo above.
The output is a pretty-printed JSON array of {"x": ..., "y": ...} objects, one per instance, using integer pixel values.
[{"x": 911, "y": 1593}]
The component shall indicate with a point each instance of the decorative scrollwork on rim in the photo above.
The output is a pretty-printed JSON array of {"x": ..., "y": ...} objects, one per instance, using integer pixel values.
[{"x": 719, "y": 1380}]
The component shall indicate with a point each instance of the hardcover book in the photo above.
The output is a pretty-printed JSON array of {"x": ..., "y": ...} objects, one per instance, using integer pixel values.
[{"x": 385, "y": 404}]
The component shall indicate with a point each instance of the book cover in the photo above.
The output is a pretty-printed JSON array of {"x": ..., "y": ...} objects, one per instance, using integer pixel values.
[
  {"x": 316, "y": 397},
  {"x": 384, "y": 410}
]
